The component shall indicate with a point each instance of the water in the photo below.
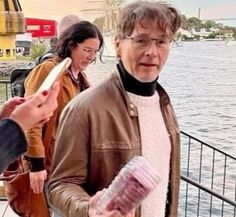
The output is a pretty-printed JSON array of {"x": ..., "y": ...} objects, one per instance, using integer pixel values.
[{"x": 200, "y": 78}]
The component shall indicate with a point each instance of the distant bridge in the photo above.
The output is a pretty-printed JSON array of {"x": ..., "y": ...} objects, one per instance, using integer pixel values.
[{"x": 218, "y": 19}]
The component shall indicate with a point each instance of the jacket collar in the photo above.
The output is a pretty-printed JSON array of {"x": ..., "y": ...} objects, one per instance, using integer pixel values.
[{"x": 132, "y": 109}]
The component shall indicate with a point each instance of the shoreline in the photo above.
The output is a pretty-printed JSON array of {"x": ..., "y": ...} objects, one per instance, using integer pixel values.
[{"x": 6, "y": 66}]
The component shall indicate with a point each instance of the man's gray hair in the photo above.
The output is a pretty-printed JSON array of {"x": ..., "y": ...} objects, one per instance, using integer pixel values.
[
  {"x": 159, "y": 13},
  {"x": 66, "y": 22}
]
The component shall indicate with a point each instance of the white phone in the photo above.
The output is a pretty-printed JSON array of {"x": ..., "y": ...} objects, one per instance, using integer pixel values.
[{"x": 55, "y": 74}]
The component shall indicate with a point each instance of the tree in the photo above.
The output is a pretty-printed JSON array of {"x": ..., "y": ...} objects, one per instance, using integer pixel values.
[
  {"x": 184, "y": 22},
  {"x": 37, "y": 50},
  {"x": 212, "y": 35},
  {"x": 178, "y": 36},
  {"x": 195, "y": 22},
  {"x": 209, "y": 24}
]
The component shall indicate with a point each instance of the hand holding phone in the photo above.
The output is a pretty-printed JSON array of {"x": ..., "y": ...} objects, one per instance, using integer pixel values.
[{"x": 55, "y": 74}]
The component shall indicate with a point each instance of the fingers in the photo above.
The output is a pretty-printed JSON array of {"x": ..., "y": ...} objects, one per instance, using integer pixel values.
[
  {"x": 36, "y": 109},
  {"x": 51, "y": 103},
  {"x": 37, "y": 185},
  {"x": 37, "y": 180},
  {"x": 44, "y": 121},
  {"x": 10, "y": 105},
  {"x": 94, "y": 199},
  {"x": 54, "y": 91},
  {"x": 46, "y": 100},
  {"x": 37, "y": 99},
  {"x": 131, "y": 213},
  {"x": 115, "y": 213},
  {"x": 14, "y": 101},
  {"x": 93, "y": 211}
]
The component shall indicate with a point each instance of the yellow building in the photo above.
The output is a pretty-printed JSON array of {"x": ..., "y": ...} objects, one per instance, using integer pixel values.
[{"x": 12, "y": 21}]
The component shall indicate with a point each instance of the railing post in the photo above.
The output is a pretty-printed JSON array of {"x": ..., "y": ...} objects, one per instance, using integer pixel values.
[{"x": 215, "y": 184}]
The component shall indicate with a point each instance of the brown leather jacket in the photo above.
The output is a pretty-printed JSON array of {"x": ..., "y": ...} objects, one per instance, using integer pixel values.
[
  {"x": 100, "y": 131},
  {"x": 44, "y": 135}
]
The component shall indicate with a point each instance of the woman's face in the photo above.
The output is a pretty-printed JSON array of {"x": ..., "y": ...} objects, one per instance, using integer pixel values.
[{"x": 84, "y": 53}]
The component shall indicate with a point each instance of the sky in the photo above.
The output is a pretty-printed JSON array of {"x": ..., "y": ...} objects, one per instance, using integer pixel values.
[
  {"x": 56, "y": 9},
  {"x": 209, "y": 9}
]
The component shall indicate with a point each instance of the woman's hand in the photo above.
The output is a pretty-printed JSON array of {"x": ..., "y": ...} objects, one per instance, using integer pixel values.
[
  {"x": 37, "y": 180},
  {"x": 38, "y": 108},
  {"x": 9, "y": 106}
]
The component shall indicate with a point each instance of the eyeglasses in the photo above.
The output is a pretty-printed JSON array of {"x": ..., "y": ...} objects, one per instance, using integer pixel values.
[
  {"x": 88, "y": 51},
  {"x": 141, "y": 42}
]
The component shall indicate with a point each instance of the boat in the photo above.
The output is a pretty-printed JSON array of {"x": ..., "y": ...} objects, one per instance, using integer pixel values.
[{"x": 105, "y": 16}]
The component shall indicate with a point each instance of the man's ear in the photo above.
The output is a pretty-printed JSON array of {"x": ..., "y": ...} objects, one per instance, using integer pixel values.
[{"x": 117, "y": 45}]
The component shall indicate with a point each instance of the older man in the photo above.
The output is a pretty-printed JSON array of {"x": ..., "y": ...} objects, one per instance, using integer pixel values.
[{"x": 128, "y": 114}]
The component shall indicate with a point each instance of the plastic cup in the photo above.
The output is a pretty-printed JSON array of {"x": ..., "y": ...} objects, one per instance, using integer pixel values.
[{"x": 130, "y": 187}]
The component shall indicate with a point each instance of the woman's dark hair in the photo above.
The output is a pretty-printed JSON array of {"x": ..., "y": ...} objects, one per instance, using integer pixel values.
[{"x": 77, "y": 33}]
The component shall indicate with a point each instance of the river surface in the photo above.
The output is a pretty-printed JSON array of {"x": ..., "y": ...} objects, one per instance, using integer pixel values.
[{"x": 200, "y": 78}]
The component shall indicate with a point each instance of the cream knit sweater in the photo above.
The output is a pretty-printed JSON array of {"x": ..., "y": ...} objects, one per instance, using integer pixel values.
[{"x": 156, "y": 150}]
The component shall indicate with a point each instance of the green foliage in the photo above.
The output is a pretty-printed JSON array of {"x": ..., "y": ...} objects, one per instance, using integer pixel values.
[
  {"x": 186, "y": 38},
  {"x": 209, "y": 24},
  {"x": 178, "y": 36},
  {"x": 221, "y": 32},
  {"x": 212, "y": 35},
  {"x": 184, "y": 22},
  {"x": 23, "y": 57},
  {"x": 37, "y": 50},
  {"x": 194, "y": 22},
  {"x": 197, "y": 24}
]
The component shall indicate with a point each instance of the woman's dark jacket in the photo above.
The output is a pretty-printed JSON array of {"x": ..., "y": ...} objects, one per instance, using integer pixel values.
[{"x": 12, "y": 142}]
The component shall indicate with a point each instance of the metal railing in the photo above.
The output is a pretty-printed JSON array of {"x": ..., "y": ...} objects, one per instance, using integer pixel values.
[
  {"x": 208, "y": 180},
  {"x": 5, "y": 90}
]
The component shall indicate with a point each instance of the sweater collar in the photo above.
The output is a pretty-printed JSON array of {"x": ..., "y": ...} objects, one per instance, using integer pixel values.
[{"x": 135, "y": 86}]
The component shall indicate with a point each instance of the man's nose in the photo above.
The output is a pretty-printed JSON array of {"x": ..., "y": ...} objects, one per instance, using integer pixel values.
[{"x": 152, "y": 48}]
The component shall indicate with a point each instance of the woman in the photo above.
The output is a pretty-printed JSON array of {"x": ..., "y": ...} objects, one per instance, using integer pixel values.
[{"x": 81, "y": 42}]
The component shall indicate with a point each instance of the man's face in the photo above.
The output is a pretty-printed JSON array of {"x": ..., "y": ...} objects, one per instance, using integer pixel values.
[{"x": 142, "y": 56}]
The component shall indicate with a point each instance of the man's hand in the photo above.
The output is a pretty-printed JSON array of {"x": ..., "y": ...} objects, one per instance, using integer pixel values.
[{"x": 93, "y": 211}]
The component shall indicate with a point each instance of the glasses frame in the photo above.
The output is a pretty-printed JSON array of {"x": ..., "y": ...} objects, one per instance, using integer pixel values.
[
  {"x": 165, "y": 48},
  {"x": 88, "y": 51}
]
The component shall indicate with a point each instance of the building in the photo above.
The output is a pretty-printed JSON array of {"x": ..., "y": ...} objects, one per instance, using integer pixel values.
[
  {"x": 12, "y": 21},
  {"x": 23, "y": 44},
  {"x": 37, "y": 31}
]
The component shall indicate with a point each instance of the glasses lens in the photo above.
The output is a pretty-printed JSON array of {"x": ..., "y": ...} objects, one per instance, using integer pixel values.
[
  {"x": 163, "y": 43},
  {"x": 141, "y": 42},
  {"x": 88, "y": 51}
]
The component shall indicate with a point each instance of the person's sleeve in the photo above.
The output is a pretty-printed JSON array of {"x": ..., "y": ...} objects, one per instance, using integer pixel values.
[
  {"x": 69, "y": 169},
  {"x": 12, "y": 142},
  {"x": 35, "y": 152}
]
